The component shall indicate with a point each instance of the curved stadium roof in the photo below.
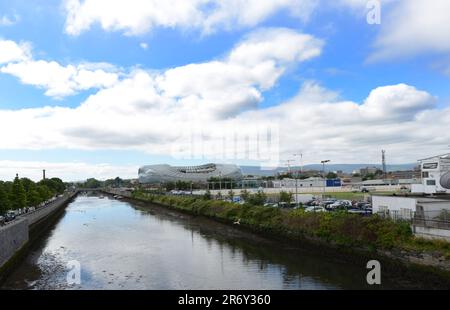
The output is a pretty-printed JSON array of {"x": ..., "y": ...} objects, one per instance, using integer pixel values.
[{"x": 166, "y": 173}]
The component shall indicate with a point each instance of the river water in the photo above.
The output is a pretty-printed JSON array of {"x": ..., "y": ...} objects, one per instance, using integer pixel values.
[{"x": 122, "y": 245}]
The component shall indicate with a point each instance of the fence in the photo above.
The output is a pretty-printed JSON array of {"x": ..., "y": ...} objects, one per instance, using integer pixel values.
[{"x": 422, "y": 219}]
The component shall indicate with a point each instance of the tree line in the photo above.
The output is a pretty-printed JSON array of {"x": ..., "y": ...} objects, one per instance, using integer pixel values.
[
  {"x": 94, "y": 183},
  {"x": 23, "y": 192}
]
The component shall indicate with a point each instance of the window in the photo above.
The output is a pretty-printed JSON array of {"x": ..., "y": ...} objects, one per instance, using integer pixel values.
[
  {"x": 430, "y": 166},
  {"x": 431, "y": 182},
  {"x": 425, "y": 174}
]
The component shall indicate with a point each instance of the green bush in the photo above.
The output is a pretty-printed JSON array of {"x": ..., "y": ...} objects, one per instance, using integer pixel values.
[{"x": 340, "y": 228}]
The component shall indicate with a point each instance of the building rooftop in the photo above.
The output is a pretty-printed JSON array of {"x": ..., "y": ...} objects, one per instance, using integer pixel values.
[
  {"x": 420, "y": 198},
  {"x": 440, "y": 156}
]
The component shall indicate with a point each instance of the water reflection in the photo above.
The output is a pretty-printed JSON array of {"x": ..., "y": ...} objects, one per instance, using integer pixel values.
[{"x": 127, "y": 246}]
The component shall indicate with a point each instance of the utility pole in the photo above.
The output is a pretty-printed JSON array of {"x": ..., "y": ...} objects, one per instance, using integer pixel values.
[
  {"x": 296, "y": 178},
  {"x": 323, "y": 162},
  {"x": 289, "y": 165}
]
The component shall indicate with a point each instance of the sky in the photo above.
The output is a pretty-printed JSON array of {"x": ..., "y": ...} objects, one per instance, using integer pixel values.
[{"x": 93, "y": 88}]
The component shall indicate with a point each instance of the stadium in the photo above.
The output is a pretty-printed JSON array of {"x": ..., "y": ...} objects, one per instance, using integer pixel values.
[{"x": 199, "y": 174}]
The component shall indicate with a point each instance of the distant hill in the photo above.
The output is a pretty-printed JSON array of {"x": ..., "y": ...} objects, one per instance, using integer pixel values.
[{"x": 347, "y": 168}]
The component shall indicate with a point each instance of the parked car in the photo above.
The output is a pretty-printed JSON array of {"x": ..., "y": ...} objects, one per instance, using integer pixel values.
[
  {"x": 310, "y": 202},
  {"x": 360, "y": 212},
  {"x": 10, "y": 216},
  {"x": 315, "y": 209},
  {"x": 283, "y": 204},
  {"x": 341, "y": 204},
  {"x": 272, "y": 205},
  {"x": 360, "y": 204},
  {"x": 364, "y": 190}
]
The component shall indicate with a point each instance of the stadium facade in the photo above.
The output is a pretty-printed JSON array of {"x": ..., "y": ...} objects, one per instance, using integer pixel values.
[{"x": 198, "y": 174}]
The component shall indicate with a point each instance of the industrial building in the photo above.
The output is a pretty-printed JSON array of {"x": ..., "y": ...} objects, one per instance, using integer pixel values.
[
  {"x": 428, "y": 205},
  {"x": 292, "y": 183},
  {"x": 155, "y": 174}
]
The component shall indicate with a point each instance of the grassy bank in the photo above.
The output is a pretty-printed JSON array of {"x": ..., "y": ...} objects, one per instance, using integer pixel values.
[{"x": 342, "y": 229}]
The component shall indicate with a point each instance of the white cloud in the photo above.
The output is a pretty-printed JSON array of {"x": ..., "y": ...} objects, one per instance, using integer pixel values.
[
  {"x": 144, "y": 45},
  {"x": 153, "y": 111},
  {"x": 412, "y": 27},
  {"x": 56, "y": 79},
  {"x": 207, "y": 91},
  {"x": 7, "y": 21},
  {"x": 10, "y": 51},
  {"x": 136, "y": 17}
]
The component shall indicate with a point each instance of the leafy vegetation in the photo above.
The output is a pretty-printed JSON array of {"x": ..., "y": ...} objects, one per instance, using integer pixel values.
[
  {"x": 21, "y": 193},
  {"x": 94, "y": 183},
  {"x": 339, "y": 228},
  {"x": 286, "y": 197}
]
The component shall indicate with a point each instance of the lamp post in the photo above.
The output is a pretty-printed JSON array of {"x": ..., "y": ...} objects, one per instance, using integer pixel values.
[
  {"x": 296, "y": 179},
  {"x": 323, "y": 162}
]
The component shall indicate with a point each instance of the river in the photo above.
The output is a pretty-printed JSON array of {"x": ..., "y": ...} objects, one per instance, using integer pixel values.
[{"x": 123, "y": 245}]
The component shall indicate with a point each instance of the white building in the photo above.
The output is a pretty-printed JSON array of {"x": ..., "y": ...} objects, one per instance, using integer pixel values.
[
  {"x": 435, "y": 175},
  {"x": 430, "y": 217},
  {"x": 292, "y": 183}
]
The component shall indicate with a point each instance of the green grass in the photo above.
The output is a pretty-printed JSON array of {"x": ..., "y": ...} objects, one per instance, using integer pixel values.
[{"x": 340, "y": 228}]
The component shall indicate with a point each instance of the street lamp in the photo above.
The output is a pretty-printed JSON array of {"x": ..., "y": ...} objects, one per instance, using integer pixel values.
[
  {"x": 323, "y": 162},
  {"x": 296, "y": 178}
]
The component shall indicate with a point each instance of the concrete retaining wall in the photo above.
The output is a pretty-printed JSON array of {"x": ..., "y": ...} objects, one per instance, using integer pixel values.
[
  {"x": 432, "y": 233},
  {"x": 15, "y": 235},
  {"x": 42, "y": 213},
  {"x": 12, "y": 238}
]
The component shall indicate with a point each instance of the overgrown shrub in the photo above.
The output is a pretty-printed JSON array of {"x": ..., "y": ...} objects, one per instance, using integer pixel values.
[{"x": 340, "y": 228}]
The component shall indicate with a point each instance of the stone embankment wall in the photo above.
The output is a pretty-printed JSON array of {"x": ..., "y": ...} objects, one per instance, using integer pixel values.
[{"x": 15, "y": 235}]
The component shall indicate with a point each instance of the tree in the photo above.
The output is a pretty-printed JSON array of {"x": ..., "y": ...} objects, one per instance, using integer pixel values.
[
  {"x": 57, "y": 185},
  {"x": 286, "y": 175},
  {"x": 207, "y": 195},
  {"x": 4, "y": 200},
  {"x": 170, "y": 186},
  {"x": 44, "y": 192},
  {"x": 286, "y": 197},
  {"x": 257, "y": 199},
  {"x": 369, "y": 176},
  {"x": 33, "y": 198},
  {"x": 18, "y": 195},
  {"x": 230, "y": 195},
  {"x": 331, "y": 176},
  {"x": 245, "y": 195},
  {"x": 92, "y": 183},
  {"x": 219, "y": 196}
]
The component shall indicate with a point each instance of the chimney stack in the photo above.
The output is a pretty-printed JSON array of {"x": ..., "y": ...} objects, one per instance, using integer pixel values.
[{"x": 43, "y": 174}]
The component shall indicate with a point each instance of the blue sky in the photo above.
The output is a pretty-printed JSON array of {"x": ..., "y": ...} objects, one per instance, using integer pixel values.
[{"x": 340, "y": 71}]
